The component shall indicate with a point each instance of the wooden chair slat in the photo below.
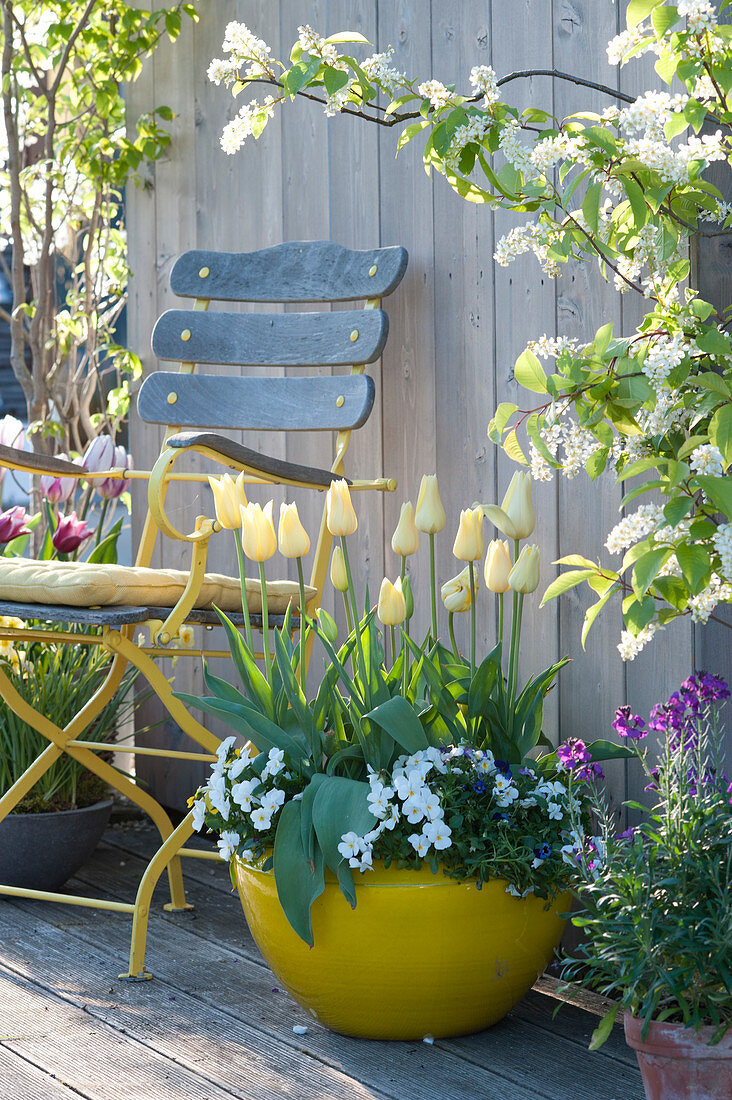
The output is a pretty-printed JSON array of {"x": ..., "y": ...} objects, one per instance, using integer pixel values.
[
  {"x": 271, "y": 339},
  {"x": 34, "y": 463},
  {"x": 228, "y": 450},
  {"x": 256, "y": 404},
  {"x": 297, "y": 271},
  {"x": 120, "y": 616}
]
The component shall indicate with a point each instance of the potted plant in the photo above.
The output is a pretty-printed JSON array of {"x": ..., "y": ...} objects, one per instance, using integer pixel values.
[
  {"x": 658, "y": 906},
  {"x": 389, "y": 776}
]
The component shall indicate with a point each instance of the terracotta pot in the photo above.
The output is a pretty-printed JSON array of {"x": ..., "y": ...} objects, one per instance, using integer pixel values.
[
  {"x": 421, "y": 954},
  {"x": 40, "y": 851},
  {"x": 678, "y": 1064}
]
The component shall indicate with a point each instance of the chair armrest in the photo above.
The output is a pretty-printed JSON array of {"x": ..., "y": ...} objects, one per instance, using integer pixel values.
[
  {"x": 230, "y": 453},
  {"x": 29, "y": 462}
]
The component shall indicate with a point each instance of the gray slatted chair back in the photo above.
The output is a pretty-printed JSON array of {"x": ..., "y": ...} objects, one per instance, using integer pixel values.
[{"x": 303, "y": 271}]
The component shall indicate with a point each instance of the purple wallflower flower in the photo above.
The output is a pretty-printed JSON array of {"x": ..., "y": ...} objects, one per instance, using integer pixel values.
[
  {"x": 629, "y": 725},
  {"x": 628, "y": 834},
  {"x": 712, "y": 687}
]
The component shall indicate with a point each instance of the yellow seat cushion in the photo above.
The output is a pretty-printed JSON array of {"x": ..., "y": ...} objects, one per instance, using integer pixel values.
[{"x": 78, "y": 584}]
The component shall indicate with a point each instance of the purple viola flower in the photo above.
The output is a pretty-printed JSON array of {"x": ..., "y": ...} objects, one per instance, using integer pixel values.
[
  {"x": 479, "y": 786},
  {"x": 543, "y": 851},
  {"x": 628, "y": 834},
  {"x": 729, "y": 792},
  {"x": 505, "y": 768},
  {"x": 629, "y": 725}
]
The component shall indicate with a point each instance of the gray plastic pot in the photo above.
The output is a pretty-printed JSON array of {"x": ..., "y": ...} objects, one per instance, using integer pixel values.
[{"x": 41, "y": 851}]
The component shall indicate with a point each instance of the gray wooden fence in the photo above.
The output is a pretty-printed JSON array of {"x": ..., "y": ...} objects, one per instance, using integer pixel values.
[{"x": 458, "y": 321}]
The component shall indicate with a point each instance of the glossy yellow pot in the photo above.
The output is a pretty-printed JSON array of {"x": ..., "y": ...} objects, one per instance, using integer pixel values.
[{"x": 421, "y": 954}]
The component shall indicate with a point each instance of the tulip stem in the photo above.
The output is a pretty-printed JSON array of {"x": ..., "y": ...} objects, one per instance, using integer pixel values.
[
  {"x": 349, "y": 616},
  {"x": 500, "y": 617},
  {"x": 515, "y": 645},
  {"x": 402, "y": 574},
  {"x": 243, "y": 583},
  {"x": 100, "y": 525},
  {"x": 433, "y": 588},
  {"x": 405, "y": 664},
  {"x": 514, "y": 612},
  {"x": 471, "y": 574},
  {"x": 393, "y": 644},
  {"x": 451, "y": 631},
  {"x": 356, "y": 621},
  {"x": 265, "y": 625},
  {"x": 301, "y": 582}
]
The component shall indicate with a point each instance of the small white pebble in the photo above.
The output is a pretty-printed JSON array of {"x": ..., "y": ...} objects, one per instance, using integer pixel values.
[
  {"x": 429, "y": 1039},
  {"x": 299, "y": 1029}
]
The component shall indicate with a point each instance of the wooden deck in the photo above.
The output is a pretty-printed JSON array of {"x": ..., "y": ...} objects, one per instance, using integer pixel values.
[{"x": 213, "y": 1023}]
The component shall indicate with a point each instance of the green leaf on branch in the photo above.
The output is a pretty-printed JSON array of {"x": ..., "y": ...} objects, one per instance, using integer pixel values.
[
  {"x": 638, "y": 613},
  {"x": 591, "y": 205},
  {"x": 663, "y": 18},
  {"x": 592, "y": 613},
  {"x": 646, "y": 569},
  {"x": 410, "y": 132},
  {"x": 695, "y": 566},
  {"x": 512, "y": 448},
  {"x": 565, "y": 581},
  {"x": 334, "y": 80},
  {"x": 596, "y": 464},
  {"x": 637, "y": 202},
  {"x": 713, "y": 342},
  {"x": 500, "y": 419},
  {"x": 720, "y": 432},
  {"x": 347, "y": 36},
  {"x": 675, "y": 510},
  {"x": 718, "y": 491},
  {"x": 529, "y": 373},
  {"x": 299, "y": 75},
  {"x": 638, "y": 10},
  {"x": 712, "y": 382}
]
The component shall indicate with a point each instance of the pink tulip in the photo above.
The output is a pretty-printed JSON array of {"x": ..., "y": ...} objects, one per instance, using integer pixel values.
[
  {"x": 12, "y": 524},
  {"x": 70, "y": 534},
  {"x": 112, "y": 487},
  {"x": 99, "y": 455},
  {"x": 57, "y": 490}
]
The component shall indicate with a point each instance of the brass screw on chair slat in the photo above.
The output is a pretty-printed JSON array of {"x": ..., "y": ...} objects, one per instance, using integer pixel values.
[
  {"x": 340, "y": 401},
  {"x": 172, "y": 398},
  {"x": 372, "y": 271},
  {"x": 354, "y": 336},
  {"x": 185, "y": 334},
  {"x": 203, "y": 273}
]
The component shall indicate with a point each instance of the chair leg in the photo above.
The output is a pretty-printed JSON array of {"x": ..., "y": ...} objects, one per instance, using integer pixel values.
[{"x": 164, "y": 857}]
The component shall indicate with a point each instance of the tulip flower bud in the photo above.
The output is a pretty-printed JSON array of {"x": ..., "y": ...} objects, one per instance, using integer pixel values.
[
  {"x": 292, "y": 536},
  {"x": 405, "y": 540},
  {"x": 469, "y": 539},
  {"x": 340, "y": 516},
  {"x": 408, "y": 596},
  {"x": 328, "y": 625},
  {"x": 338, "y": 575},
  {"x": 11, "y": 435},
  {"x": 12, "y": 524},
  {"x": 430, "y": 515},
  {"x": 524, "y": 577},
  {"x": 517, "y": 505},
  {"x": 99, "y": 455},
  {"x": 113, "y": 487},
  {"x": 497, "y": 566},
  {"x": 258, "y": 534},
  {"x": 57, "y": 490},
  {"x": 70, "y": 534},
  {"x": 392, "y": 608},
  {"x": 229, "y": 498},
  {"x": 456, "y": 592}
]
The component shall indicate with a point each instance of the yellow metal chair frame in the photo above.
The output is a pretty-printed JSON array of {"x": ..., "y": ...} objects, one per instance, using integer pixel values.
[{"x": 118, "y": 641}]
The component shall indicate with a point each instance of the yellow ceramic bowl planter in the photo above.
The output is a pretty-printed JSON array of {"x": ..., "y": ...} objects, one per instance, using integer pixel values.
[{"x": 421, "y": 954}]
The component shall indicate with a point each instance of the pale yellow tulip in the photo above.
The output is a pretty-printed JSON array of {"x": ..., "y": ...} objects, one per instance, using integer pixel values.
[
  {"x": 524, "y": 577},
  {"x": 229, "y": 498},
  {"x": 430, "y": 515},
  {"x": 340, "y": 516},
  {"x": 498, "y": 566},
  {"x": 338, "y": 575},
  {"x": 405, "y": 540},
  {"x": 469, "y": 539},
  {"x": 456, "y": 592},
  {"x": 515, "y": 518},
  {"x": 258, "y": 534},
  {"x": 392, "y": 607},
  {"x": 291, "y": 535}
]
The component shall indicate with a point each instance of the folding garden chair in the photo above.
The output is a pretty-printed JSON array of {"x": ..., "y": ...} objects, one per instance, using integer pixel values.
[{"x": 116, "y": 599}]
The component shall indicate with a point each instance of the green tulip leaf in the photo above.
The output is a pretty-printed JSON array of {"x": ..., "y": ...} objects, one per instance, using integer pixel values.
[
  {"x": 398, "y": 719},
  {"x": 299, "y": 880}
]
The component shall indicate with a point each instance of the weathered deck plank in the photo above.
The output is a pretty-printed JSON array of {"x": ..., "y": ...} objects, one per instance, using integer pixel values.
[{"x": 20, "y": 1078}]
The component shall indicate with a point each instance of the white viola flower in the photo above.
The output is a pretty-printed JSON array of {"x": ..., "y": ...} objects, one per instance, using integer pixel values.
[
  {"x": 247, "y": 855},
  {"x": 372, "y": 836},
  {"x": 432, "y": 807},
  {"x": 362, "y": 863},
  {"x": 486, "y": 765},
  {"x": 569, "y": 854},
  {"x": 414, "y": 809},
  {"x": 420, "y": 843},
  {"x": 199, "y": 814},
  {"x": 218, "y": 796},
  {"x": 501, "y": 782},
  {"x": 223, "y": 750},
  {"x": 392, "y": 820},
  {"x": 260, "y": 819},
  {"x": 379, "y": 804},
  {"x": 227, "y": 844},
  {"x": 237, "y": 766},
  {"x": 511, "y": 889},
  {"x": 507, "y": 796},
  {"x": 410, "y": 785},
  {"x": 555, "y": 811},
  {"x": 528, "y": 802},
  {"x": 242, "y": 793},
  {"x": 439, "y": 834},
  {"x": 272, "y": 800},
  {"x": 275, "y": 763},
  {"x": 556, "y": 788},
  {"x": 350, "y": 845}
]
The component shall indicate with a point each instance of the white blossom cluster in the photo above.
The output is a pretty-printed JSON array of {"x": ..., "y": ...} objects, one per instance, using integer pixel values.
[
  {"x": 630, "y": 645},
  {"x": 700, "y": 15},
  {"x": 722, "y": 539},
  {"x": 702, "y": 606},
  {"x": 532, "y": 237},
  {"x": 550, "y": 347},
  {"x": 472, "y": 131},
  {"x": 634, "y": 40},
  {"x": 650, "y": 112},
  {"x": 672, "y": 165},
  {"x": 719, "y": 215},
  {"x": 515, "y": 152},
  {"x": 246, "y": 50},
  {"x": 560, "y": 430},
  {"x": 378, "y": 68},
  {"x": 549, "y": 151},
  {"x": 634, "y": 527},
  {"x": 315, "y": 44},
  {"x": 483, "y": 80},
  {"x": 244, "y": 123},
  {"x": 707, "y": 459},
  {"x": 665, "y": 353},
  {"x": 438, "y": 95}
]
